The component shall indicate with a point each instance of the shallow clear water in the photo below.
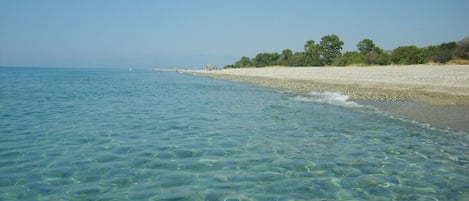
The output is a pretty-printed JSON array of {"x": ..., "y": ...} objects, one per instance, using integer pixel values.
[{"x": 89, "y": 134}]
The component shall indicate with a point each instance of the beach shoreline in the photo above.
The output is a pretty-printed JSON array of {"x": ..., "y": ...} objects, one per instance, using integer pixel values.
[
  {"x": 423, "y": 86},
  {"x": 432, "y": 84}
]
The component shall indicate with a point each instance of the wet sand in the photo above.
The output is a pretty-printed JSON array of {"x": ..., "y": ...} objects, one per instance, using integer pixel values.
[
  {"x": 454, "y": 117},
  {"x": 434, "y": 94}
]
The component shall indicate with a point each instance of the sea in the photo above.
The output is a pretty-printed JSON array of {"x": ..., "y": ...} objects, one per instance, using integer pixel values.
[{"x": 135, "y": 134}]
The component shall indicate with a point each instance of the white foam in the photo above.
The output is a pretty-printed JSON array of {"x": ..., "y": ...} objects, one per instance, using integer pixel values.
[
  {"x": 341, "y": 100},
  {"x": 333, "y": 98}
]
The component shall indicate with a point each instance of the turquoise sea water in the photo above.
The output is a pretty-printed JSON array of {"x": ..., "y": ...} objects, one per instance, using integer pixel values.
[{"x": 93, "y": 134}]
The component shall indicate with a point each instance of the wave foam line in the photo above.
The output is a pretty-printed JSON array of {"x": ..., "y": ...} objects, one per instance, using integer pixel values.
[{"x": 333, "y": 98}]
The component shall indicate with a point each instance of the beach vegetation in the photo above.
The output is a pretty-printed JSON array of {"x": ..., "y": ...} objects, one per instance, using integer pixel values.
[
  {"x": 266, "y": 59},
  {"x": 286, "y": 57},
  {"x": 298, "y": 59},
  {"x": 368, "y": 54},
  {"x": 462, "y": 51},
  {"x": 243, "y": 63},
  {"x": 367, "y": 46},
  {"x": 350, "y": 58},
  {"x": 377, "y": 59},
  {"x": 312, "y": 54},
  {"x": 407, "y": 55},
  {"x": 330, "y": 48},
  {"x": 328, "y": 52},
  {"x": 315, "y": 54},
  {"x": 441, "y": 53},
  {"x": 460, "y": 61}
]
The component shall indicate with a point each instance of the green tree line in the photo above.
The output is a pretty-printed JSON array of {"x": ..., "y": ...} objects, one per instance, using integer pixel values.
[{"x": 328, "y": 52}]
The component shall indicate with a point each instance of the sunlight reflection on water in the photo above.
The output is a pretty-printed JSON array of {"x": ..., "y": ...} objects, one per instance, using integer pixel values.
[{"x": 143, "y": 135}]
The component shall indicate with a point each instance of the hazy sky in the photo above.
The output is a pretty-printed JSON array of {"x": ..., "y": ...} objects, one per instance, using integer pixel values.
[{"x": 185, "y": 33}]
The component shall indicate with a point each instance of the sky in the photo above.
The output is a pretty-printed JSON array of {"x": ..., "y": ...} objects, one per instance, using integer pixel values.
[{"x": 192, "y": 33}]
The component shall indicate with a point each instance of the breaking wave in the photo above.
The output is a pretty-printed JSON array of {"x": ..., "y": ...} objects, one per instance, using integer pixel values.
[
  {"x": 332, "y": 98},
  {"x": 341, "y": 100}
]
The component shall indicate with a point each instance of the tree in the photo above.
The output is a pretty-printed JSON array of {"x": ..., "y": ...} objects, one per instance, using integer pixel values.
[
  {"x": 299, "y": 59},
  {"x": 366, "y": 46},
  {"x": 328, "y": 52},
  {"x": 330, "y": 47},
  {"x": 243, "y": 62},
  {"x": 312, "y": 54},
  {"x": 286, "y": 57},
  {"x": 265, "y": 59},
  {"x": 372, "y": 54}
]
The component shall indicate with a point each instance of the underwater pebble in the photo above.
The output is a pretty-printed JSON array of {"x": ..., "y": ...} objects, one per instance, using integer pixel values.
[
  {"x": 221, "y": 177},
  {"x": 239, "y": 198},
  {"x": 370, "y": 180},
  {"x": 425, "y": 190},
  {"x": 453, "y": 158},
  {"x": 208, "y": 162}
]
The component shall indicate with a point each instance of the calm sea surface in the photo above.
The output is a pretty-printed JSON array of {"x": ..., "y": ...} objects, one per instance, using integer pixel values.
[{"x": 91, "y": 134}]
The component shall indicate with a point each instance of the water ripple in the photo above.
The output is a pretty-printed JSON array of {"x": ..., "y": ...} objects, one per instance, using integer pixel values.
[{"x": 68, "y": 134}]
